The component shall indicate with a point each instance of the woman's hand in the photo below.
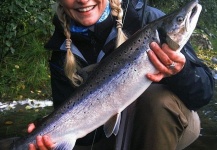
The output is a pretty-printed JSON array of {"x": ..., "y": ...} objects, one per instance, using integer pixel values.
[
  {"x": 167, "y": 61},
  {"x": 42, "y": 142}
]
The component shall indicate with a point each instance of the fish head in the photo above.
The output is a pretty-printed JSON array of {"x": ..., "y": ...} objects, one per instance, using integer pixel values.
[{"x": 179, "y": 26}]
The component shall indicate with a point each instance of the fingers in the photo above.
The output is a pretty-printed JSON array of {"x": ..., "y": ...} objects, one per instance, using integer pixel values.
[
  {"x": 167, "y": 61},
  {"x": 157, "y": 63},
  {"x": 166, "y": 55},
  {"x": 173, "y": 55},
  {"x": 160, "y": 54},
  {"x": 32, "y": 147},
  {"x": 155, "y": 77},
  {"x": 47, "y": 141},
  {"x": 31, "y": 127},
  {"x": 40, "y": 143}
]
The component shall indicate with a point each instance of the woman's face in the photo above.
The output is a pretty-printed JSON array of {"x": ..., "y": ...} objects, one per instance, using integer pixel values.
[{"x": 85, "y": 12}]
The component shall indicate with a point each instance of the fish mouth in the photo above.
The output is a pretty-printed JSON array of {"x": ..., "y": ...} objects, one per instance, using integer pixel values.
[
  {"x": 195, "y": 11},
  {"x": 193, "y": 16}
]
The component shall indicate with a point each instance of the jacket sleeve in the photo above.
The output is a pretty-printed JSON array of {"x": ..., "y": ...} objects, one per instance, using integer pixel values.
[{"x": 194, "y": 85}]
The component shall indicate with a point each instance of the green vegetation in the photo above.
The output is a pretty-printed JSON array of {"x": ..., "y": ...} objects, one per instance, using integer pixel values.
[
  {"x": 25, "y": 73},
  {"x": 24, "y": 26}
]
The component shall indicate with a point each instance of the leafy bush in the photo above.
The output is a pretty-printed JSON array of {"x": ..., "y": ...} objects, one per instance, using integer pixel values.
[
  {"x": 21, "y": 17},
  {"x": 24, "y": 26}
]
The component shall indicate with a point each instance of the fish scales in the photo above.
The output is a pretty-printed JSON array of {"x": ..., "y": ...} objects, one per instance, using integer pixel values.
[{"x": 117, "y": 81}]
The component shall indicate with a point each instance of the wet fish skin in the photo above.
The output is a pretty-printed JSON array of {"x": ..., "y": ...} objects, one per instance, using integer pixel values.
[{"x": 116, "y": 82}]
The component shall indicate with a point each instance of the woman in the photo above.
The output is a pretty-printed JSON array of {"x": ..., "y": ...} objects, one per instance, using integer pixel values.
[{"x": 164, "y": 114}]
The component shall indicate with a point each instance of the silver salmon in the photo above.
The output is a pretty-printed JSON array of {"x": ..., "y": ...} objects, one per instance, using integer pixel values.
[{"x": 116, "y": 82}]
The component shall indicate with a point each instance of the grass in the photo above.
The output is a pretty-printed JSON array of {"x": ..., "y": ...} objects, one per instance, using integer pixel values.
[{"x": 25, "y": 73}]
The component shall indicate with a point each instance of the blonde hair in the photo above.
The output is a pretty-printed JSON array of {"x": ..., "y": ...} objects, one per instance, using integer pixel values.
[{"x": 71, "y": 66}]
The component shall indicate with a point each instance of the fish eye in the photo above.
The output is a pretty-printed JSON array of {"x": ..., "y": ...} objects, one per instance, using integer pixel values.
[{"x": 180, "y": 19}]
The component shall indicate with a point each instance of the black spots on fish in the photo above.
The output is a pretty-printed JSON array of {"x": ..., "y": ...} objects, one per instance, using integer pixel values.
[
  {"x": 114, "y": 63},
  {"x": 154, "y": 38},
  {"x": 69, "y": 102},
  {"x": 97, "y": 72},
  {"x": 147, "y": 32},
  {"x": 145, "y": 40},
  {"x": 67, "y": 106}
]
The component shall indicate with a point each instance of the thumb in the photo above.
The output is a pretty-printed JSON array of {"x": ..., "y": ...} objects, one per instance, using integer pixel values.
[{"x": 31, "y": 127}]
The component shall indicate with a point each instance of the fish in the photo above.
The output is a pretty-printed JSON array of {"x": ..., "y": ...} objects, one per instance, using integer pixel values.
[{"x": 116, "y": 82}]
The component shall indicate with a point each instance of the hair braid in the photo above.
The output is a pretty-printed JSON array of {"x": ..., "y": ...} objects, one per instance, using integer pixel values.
[
  {"x": 117, "y": 11},
  {"x": 70, "y": 66}
]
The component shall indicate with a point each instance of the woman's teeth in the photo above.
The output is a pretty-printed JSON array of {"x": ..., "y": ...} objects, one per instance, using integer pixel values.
[{"x": 85, "y": 9}]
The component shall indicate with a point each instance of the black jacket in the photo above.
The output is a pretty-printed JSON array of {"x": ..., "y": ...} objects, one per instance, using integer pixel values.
[{"x": 194, "y": 85}]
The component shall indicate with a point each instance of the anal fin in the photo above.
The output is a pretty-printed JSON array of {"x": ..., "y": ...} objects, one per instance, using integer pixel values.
[{"x": 112, "y": 125}]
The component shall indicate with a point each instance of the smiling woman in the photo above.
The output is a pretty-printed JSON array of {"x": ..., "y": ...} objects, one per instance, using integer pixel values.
[{"x": 84, "y": 12}]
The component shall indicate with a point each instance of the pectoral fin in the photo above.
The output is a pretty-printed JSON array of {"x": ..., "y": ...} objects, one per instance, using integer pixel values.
[{"x": 112, "y": 125}]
